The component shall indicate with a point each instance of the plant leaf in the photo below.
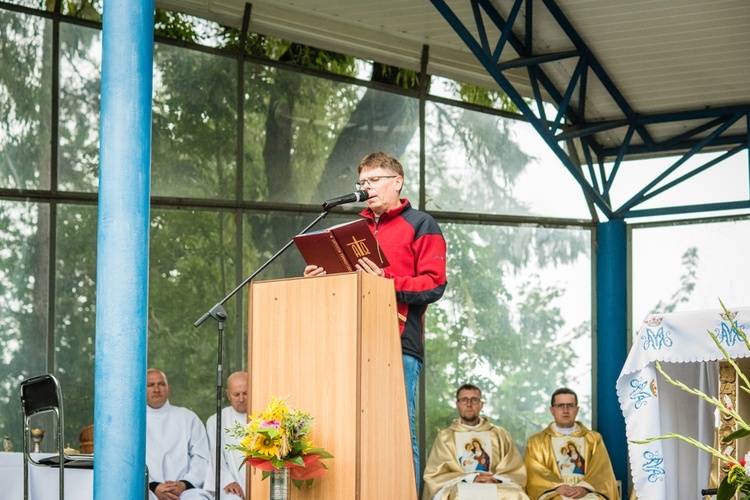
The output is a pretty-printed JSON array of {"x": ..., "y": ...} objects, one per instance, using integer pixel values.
[
  {"x": 739, "y": 433},
  {"x": 726, "y": 490},
  {"x": 319, "y": 451}
]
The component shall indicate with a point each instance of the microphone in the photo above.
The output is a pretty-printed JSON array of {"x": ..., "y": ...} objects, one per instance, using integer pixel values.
[{"x": 354, "y": 197}]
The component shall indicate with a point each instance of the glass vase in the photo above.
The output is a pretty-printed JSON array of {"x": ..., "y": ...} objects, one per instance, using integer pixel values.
[{"x": 280, "y": 484}]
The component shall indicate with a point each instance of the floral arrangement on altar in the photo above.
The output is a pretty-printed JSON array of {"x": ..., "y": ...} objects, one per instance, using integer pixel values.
[
  {"x": 278, "y": 437},
  {"x": 738, "y": 476}
]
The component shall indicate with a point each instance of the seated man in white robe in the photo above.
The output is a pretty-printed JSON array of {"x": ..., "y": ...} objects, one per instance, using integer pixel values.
[
  {"x": 474, "y": 459},
  {"x": 566, "y": 460},
  {"x": 233, "y": 477},
  {"x": 176, "y": 445}
]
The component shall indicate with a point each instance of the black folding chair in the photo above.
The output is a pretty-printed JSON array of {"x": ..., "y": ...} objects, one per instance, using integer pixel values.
[{"x": 39, "y": 395}]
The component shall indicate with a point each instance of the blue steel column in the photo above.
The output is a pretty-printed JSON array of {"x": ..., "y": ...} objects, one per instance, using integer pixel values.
[
  {"x": 611, "y": 339},
  {"x": 122, "y": 250}
]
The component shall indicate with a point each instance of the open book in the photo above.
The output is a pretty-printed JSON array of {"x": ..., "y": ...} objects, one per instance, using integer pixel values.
[{"x": 338, "y": 248}]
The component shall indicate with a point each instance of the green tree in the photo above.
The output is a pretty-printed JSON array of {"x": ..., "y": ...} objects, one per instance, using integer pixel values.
[
  {"x": 511, "y": 347},
  {"x": 688, "y": 280},
  {"x": 518, "y": 349},
  {"x": 303, "y": 136}
]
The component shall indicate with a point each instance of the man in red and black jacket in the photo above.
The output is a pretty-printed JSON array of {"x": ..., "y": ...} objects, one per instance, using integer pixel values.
[{"x": 415, "y": 248}]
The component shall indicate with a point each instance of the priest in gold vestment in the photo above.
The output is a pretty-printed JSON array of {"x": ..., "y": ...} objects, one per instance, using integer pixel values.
[
  {"x": 566, "y": 460},
  {"x": 474, "y": 459}
]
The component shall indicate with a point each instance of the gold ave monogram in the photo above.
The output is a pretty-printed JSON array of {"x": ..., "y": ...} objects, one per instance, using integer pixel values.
[{"x": 359, "y": 247}]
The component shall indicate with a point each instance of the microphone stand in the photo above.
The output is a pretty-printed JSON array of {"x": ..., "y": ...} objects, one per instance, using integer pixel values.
[{"x": 218, "y": 313}]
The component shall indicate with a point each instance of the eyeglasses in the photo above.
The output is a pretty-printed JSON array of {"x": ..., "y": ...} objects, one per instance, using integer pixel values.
[
  {"x": 372, "y": 180},
  {"x": 465, "y": 401},
  {"x": 566, "y": 406}
]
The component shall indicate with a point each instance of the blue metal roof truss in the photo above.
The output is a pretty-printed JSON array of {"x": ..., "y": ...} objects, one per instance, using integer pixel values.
[{"x": 706, "y": 129}]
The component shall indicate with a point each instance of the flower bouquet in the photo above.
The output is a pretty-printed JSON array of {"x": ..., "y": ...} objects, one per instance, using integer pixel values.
[
  {"x": 738, "y": 476},
  {"x": 279, "y": 437}
]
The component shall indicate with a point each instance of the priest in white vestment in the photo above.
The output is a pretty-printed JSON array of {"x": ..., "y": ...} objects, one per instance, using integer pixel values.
[
  {"x": 176, "y": 446},
  {"x": 474, "y": 459},
  {"x": 233, "y": 476},
  {"x": 566, "y": 460}
]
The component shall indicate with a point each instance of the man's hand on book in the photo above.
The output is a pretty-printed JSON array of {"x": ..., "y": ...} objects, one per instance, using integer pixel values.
[
  {"x": 363, "y": 264},
  {"x": 311, "y": 271},
  {"x": 369, "y": 267}
]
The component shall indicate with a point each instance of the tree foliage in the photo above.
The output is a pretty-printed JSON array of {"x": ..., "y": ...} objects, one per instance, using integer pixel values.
[
  {"x": 303, "y": 136},
  {"x": 690, "y": 262}
]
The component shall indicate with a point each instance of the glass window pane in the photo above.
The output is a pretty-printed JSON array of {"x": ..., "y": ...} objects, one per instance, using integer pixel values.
[
  {"x": 267, "y": 232},
  {"x": 192, "y": 267},
  {"x": 475, "y": 94},
  {"x": 191, "y": 29},
  {"x": 80, "y": 88},
  {"x": 75, "y": 315},
  {"x": 489, "y": 164},
  {"x": 305, "y": 136},
  {"x": 545, "y": 187},
  {"x": 24, "y": 282},
  {"x": 515, "y": 320},
  {"x": 194, "y": 124},
  {"x": 25, "y": 101},
  {"x": 32, "y": 4},
  {"x": 726, "y": 181},
  {"x": 90, "y": 10},
  {"x": 689, "y": 267}
]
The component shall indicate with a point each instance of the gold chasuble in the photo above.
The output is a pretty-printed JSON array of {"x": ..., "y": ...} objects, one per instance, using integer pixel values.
[
  {"x": 460, "y": 453},
  {"x": 579, "y": 459}
]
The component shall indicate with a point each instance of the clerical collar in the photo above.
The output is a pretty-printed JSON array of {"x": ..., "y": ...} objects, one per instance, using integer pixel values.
[
  {"x": 565, "y": 430},
  {"x": 473, "y": 427},
  {"x": 159, "y": 411}
]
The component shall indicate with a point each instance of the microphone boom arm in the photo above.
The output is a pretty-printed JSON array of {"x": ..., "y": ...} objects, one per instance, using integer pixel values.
[{"x": 219, "y": 304}]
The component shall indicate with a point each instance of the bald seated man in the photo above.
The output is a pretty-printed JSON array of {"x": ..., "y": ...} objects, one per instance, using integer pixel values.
[
  {"x": 176, "y": 445},
  {"x": 233, "y": 475}
]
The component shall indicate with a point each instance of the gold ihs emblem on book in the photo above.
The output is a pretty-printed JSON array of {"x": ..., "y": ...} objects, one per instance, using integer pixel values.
[{"x": 359, "y": 247}]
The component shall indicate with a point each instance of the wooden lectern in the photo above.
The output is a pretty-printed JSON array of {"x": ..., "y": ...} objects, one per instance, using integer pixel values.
[{"x": 331, "y": 345}]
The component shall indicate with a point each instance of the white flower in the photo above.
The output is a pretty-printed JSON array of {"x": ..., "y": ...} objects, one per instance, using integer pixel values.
[{"x": 747, "y": 464}]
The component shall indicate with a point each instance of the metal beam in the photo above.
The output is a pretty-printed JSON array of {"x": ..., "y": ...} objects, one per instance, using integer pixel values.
[
  {"x": 706, "y": 128},
  {"x": 485, "y": 57}
]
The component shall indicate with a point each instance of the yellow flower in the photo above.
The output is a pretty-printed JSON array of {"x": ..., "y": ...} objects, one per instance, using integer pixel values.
[
  {"x": 246, "y": 441},
  {"x": 276, "y": 410},
  {"x": 266, "y": 446}
]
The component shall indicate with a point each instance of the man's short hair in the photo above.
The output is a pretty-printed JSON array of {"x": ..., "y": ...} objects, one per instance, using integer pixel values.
[
  {"x": 382, "y": 160},
  {"x": 468, "y": 387},
  {"x": 156, "y": 370},
  {"x": 563, "y": 390}
]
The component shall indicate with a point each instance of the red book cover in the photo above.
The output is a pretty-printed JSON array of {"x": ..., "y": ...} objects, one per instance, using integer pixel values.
[{"x": 338, "y": 248}]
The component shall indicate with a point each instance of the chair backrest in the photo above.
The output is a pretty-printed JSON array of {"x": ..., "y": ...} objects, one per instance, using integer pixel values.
[{"x": 40, "y": 394}]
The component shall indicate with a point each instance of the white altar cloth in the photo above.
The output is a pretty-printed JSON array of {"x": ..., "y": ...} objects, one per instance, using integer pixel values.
[
  {"x": 670, "y": 469},
  {"x": 43, "y": 481}
]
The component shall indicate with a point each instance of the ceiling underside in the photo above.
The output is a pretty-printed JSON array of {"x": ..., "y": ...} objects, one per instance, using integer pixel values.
[{"x": 631, "y": 79}]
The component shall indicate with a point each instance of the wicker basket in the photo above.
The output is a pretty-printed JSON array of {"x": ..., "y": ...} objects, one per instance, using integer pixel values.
[{"x": 86, "y": 439}]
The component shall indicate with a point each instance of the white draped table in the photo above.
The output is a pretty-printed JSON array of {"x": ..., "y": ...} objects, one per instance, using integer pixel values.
[
  {"x": 671, "y": 469},
  {"x": 79, "y": 483}
]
